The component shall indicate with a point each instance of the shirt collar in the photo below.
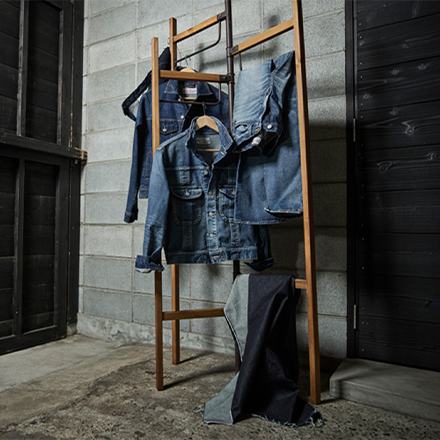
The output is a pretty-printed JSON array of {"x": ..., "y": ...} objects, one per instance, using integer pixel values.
[{"x": 203, "y": 89}]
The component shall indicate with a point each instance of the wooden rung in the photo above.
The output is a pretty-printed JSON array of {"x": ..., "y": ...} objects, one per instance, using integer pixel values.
[
  {"x": 196, "y": 76},
  {"x": 199, "y": 27},
  {"x": 190, "y": 314},
  {"x": 301, "y": 284},
  {"x": 264, "y": 36}
]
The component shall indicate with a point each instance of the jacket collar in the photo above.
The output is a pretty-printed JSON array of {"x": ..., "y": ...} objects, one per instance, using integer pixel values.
[{"x": 203, "y": 89}]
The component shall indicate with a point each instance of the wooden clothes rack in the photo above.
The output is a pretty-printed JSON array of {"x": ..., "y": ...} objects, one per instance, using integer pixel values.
[{"x": 309, "y": 283}]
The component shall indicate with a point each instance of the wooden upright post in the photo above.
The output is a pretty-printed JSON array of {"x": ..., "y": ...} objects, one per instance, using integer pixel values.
[{"x": 309, "y": 232}]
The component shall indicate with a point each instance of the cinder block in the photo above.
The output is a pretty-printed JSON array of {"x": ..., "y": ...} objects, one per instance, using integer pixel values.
[
  {"x": 324, "y": 34},
  {"x": 108, "y": 176},
  {"x": 327, "y": 118},
  {"x": 329, "y": 161},
  {"x": 105, "y": 208},
  {"x": 112, "y": 241},
  {"x": 210, "y": 326},
  {"x": 111, "y": 53},
  {"x": 111, "y": 83},
  {"x": 155, "y": 11},
  {"x": 114, "y": 144},
  {"x": 108, "y": 273},
  {"x": 144, "y": 282},
  {"x": 332, "y": 335},
  {"x": 114, "y": 305},
  {"x": 144, "y": 308},
  {"x": 145, "y": 35},
  {"x": 332, "y": 294},
  {"x": 326, "y": 75},
  {"x": 282, "y": 9},
  {"x": 97, "y": 7},
  {"x": 288, "y": 248},
  {"x": 211, "y": 282},
  {"x": 330, "y": 204},
  {"x": 106, "y": 116},
  {"x": 113, "y": 22}
]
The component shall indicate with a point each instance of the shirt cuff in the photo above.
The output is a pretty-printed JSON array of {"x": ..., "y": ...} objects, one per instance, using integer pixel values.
[{"x": 146, "y": 264}]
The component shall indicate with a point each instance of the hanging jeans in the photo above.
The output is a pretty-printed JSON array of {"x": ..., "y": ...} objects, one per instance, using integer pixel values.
[{"x": 265, "y": 128}]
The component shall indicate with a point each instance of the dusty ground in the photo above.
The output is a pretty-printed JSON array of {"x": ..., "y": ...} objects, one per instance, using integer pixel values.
[{"x": 124, "y": 405}]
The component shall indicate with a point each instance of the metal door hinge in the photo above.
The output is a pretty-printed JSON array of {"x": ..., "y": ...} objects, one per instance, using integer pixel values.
[{"x": 355, "y": 317}]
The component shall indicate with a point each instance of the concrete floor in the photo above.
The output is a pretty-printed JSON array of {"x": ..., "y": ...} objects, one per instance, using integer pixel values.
[{"x": 82, "y": 388}]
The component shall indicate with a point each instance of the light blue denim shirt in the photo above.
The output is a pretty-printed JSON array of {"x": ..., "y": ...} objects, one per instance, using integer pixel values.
[
  {"x": 191, "y": 205},
  {"x": 265, "y": 128}
]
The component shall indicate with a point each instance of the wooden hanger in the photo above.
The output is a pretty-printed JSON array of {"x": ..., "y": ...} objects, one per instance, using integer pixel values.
[{"x": 207, "y": 121}]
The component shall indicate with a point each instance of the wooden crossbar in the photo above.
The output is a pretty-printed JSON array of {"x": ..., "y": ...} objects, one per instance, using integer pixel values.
[
  {"x": 264, "y": 36},
  {"x": 198, "y": 28},
  {"x": 195, "y": 76}
]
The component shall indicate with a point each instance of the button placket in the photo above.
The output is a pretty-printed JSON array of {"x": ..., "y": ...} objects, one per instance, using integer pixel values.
[{"x": 212, "y": 214}]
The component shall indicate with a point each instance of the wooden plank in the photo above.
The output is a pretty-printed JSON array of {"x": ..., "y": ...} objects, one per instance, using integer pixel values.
[
  {"x": 175, "y": 306},
  {"x": 400, "y": 84},
  {"x": 400, "y": 42},
  {"x": 9, "y": 19},
  {"x": 192, "y": 314},
  {"x": 43, "y": 94},
  {"x": 7, "y": 240},
  {"x": 40, "y": 210},
  {"x": 263, "y": 36},
  {"x": 41, "y": 124},
  {"x": 399, "y": 126},
  {"x": 414, "y": 168},
  {"x": 43, "y": 64},
  {"x": 8, "y": 114},
  {"x": 415, "y": 255},
  {"x": 41, "y": 179},
  {"x": 39, "y": 239},
  {"x": 379, "y": 13},
  {"x": 409, "y": 298},
  {"x": 6, "y": 304},
  {"x": 41, "y": 300},
  {"x": 199, "y": 28},
  {"x": 7, "y": 209},
  {"x": 37, "y": 322},
  {"x": 37, "y": 146},
  {"x": 44, "y": 36},
  {"x": 414, "y": 344},
  {"x": 23, "y": 64},
  {"x": 400, "y": 211},
  {"x": 38, "y": 269},
  {"x": 46, "y": 12},
  {"x": 7, "y": 271},
  {"x": 9, "y": 82},
  {"x": 308, "y": 214},
  {"x": 10, "y": 51},
  {"x": 189, "y": 76}
]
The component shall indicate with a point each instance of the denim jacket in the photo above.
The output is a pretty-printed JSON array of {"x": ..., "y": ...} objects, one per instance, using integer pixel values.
[
  {"x": 191, "y": 205},
  {"x": 174, "y": 118}
]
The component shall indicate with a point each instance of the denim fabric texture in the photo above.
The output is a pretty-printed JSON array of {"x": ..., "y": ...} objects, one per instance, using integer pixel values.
[
  {"x": 174, "y": 118},
  {"x": 191, "y": 205},
  {"x": 265, "y": 128}
]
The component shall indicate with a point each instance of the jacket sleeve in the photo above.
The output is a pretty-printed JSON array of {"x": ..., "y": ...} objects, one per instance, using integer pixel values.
[
  {"x": 139, "y": 157},
  {"x": 157, "y": 214}
]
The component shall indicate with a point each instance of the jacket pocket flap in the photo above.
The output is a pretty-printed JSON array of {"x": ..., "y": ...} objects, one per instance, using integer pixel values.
[
  {"x": 187, "y": 193},
  {"x": 228, "y": 192},
  {"x": 168, "y": 126}
]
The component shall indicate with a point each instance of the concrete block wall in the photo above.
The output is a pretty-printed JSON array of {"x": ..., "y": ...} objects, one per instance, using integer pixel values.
[{"x": 116, "y": 302}]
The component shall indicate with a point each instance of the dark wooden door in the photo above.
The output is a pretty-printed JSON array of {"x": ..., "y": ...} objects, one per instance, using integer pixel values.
[
  {"x": 397, "y": 197},
  {"x": 40, "y": 105}
]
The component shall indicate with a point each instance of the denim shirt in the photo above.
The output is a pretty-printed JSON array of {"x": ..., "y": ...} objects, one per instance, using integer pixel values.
[
  {"x": 266, "y": 131},
  {"x": 174, "y": 118},
  {"x": 191, "y": 205}
]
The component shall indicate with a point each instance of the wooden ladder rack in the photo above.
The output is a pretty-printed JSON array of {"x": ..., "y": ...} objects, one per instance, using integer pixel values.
[{"x": 309, "y": 283}]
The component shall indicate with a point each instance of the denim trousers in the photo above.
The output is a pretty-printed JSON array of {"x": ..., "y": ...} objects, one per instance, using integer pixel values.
[{"x": 265, "y": 128}]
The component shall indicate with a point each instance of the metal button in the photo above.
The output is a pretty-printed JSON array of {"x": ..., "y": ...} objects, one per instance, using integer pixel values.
[
  {"x": 269, "y": 126},
  {"x": 205, "y": 172},
  {"x": 182, "y": 117}
]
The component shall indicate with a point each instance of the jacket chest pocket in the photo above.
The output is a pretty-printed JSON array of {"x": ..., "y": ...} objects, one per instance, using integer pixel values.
[
  {"x": 168, "y": 128},
  {"x": 187, "y": 205},
  {"x": 227, "y": 203}
]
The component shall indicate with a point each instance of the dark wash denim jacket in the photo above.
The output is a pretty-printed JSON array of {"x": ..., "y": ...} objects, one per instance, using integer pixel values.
[
  {"x": 174, "y": 118},
  {"x": 191, "y": 206}
]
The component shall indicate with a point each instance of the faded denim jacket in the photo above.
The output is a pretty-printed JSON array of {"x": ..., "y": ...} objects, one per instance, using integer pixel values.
[
  {"x": 191, "y": 205},
  {"x": 174, "y": 118}
]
